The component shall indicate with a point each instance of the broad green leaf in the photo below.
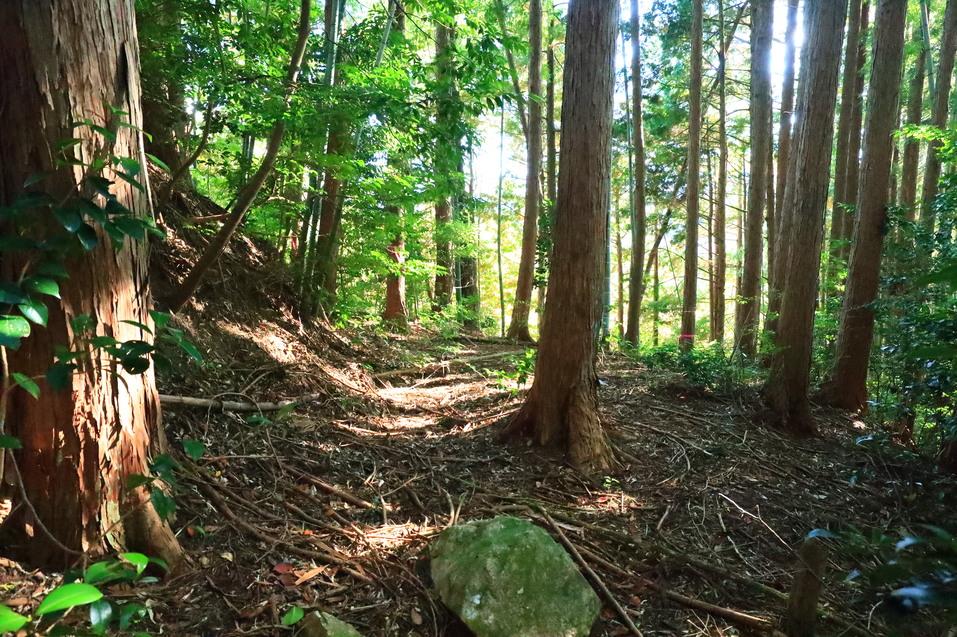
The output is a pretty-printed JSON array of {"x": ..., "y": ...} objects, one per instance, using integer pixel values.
[
  {"x": 165, "y": 506},
  {"x": 194, "y": 449},
  {"x": 69, "y": 218},
  {"x": 10, "y": 293},
  {"x": 43, "y": 285},
  {"x": 28, "y": 384},
  {"x": 136, "y": 480},
  {"x": 293, "y": 616},
  {"x": 87, "y": 236},
  {"x": 138, "y": 560},
  {"x": 52, "y": 268},
  {"x": 67, "y": 596},
  {"x": 129, "y": 613},
  {"x": 101, "y": 614},
  {"x": 9, "y": 442},
  {"x": 159, "y": 162},
  {"x": 108, "y": 571},
  {"x": 59, "y": 374},
  {"x": 12, "y": 329},
  {"x": 35, "y": 311},
  {"x": 11, "y": 622}
]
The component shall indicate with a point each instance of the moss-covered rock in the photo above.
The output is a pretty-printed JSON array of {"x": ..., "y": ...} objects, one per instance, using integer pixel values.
[
  {"x": 506, "y": 576},
  {"x": 317, "y": 624}
]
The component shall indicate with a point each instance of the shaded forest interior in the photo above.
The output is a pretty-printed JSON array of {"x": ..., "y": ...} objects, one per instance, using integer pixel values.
[{"x": 298, "y": 294}]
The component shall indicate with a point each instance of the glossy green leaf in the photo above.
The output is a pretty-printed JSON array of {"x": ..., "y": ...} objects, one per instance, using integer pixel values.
[
  {"x": 10, "y": 621},
  {"x": 194, "y": 449},
  {"x": 35, "y": 311},
  {"x": 293, "y": 616},
  {"x": 67, "y": 596},
  {"x": 101, "y": 614},
  {"x": 9, "y": 442},
  {"x": 28, "y": 384},
  {"x": 43, "y": 285}
]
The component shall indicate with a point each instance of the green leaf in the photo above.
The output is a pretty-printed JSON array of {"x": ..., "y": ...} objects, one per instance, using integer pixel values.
[
  {"x": 194, "y": 449},
  {"x": 108, "y": 571},
  {"x": 293, "y": 616},
  {"x": 138, "y": 560},
  {"x": 52, "y": 268},
  {"x": 69, "y": 218},
  {"x": 67, "y": 596},
  {"x": 59, "y": 374},
  {"x": 142, "y": 326},
  {"x": 9, "y": 442},
  {"x": 101, "y": 614},
  {"x": 192, "y": 350},
  {"x": 11, "y": 622},
  {"x": 35, "y": 311},
  {"x": 43, "y": 285},
  {"x": 161, "y": 319},
  {"x": 10, "y": 293},
  {"x": 27, "y": 383},
  {"x": 159, "y": 162},
  {"x": 82, "y": 323},
  {"x": 129, "y": 613},
  {"x": 87, "y": 236},
  {"x": 165, "y": 506},
  {"x": 130, "y": 165},
  {"x": 137, "y": 480},
  {"x": 12, "y": 329}
]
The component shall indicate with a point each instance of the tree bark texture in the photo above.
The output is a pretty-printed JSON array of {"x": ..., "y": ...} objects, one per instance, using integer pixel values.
[
  {"x": 636, "y": 284},
  {"x": 801, "y": 233},
  {"x": 561, "y": 410},
  {"x": 690, "y": 298},
  {"x": 518, "y": 328},
  {"x": 848, "y": 386},
  {"x": 749, "y": 296},
  {"x": 915, "y": 110},
  {"x": 79, "y": 445}
]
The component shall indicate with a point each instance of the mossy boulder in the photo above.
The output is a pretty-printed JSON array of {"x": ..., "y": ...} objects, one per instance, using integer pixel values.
[
  {"x": 506, "y": 576},
  {"x": 318, "y": 624}
]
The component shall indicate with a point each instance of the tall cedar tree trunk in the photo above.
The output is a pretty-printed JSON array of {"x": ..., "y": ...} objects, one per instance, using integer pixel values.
[
  {"x": 844, "y": 126},
  {"x": 938, "y": 118},
  {"x": 720, "y": 267},
  {"x": 551, "y": 162},
  {"x": 80, "y": 445},
  {"x": 252, "y": 187},
  {"x": 395, "y": 306},
  {"x": 690, "y": 300},
  {"x": 846, "y": 227},
  {"x": 636, "y": 284},
  {"x": 785, "y": 138},
  {"x": 561, "y": 410},
  {"x": 848, "y": 386},
  {"x": 915, "y": 109},
  {"x": 468, "y": 263},
  {"x": 445, "y": 165},
  {"x": 518, "y": 328},
  {"x": 801, "y": 232},
  {"x": 749, "y": 296}
]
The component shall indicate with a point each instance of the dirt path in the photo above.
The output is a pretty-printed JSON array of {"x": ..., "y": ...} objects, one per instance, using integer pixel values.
[{"x": 333, "y": 506}]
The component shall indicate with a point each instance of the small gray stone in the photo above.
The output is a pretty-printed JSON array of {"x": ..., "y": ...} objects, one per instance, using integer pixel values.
[
  {"x": 318, "y": 624},
  {"x": 506, "y": 576}
]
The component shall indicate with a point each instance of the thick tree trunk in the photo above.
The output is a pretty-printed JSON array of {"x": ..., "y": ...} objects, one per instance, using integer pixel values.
[
  {"x": 749, "y": 296},
  {"x": 915, "y": 109},
  {"x": 79, "y": 445},
  {"x": 848, "y": 386},
  {"x": 518, "y": 328},
  {"x": 941, "y": 106},
  {"x": 690, "y": 300},
  {"x": 561, "y": 410},
  {"x": 636, "y": 285},
  {"x": 800, "y": 237},
  {"x": 249, "y": 191}
]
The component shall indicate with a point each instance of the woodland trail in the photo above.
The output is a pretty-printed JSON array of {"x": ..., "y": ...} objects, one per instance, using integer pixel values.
[{"x": 332, "y": 505}]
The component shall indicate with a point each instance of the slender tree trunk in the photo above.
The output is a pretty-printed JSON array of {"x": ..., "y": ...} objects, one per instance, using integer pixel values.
[
  {"x": 801, "y": 234},
  {"x": 712, "y": 305},
  {"x": 561, "y": 410},
  {"x": 846, "y": 227},
  {"x": 690, "y": 300},
  {"x": 655, "y": 298},
  {"x": 636, "y": 286},
  {"x": 445, "y": 165},
  {"x": 395, "y": 304},
  {"x": 518, "y": 328},
  {"x": 845, "y": 125},
  {"x": 939, "y": 113},
  {"x": 915, "y": 109},
  {"x": 749, "y": 297},
  {"x": 468, "y": 263},
  {"x": 498, "y": 219},
  {"x": 720, "y": 268},
  {"x": 547, "y": 212},
  {"x": 621, "y": 270},
  {"x": 848, "y": 386},
  {"x": 249, "y": 191},
  {"x": 79, "y": 445}
]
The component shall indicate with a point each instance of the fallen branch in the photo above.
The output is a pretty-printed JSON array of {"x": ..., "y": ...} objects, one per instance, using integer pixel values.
[
  {"x": 232, "y": 405},
  {"x": 439, "y": 365},
  {"x": 325, "y": 557},
  {"x": 602, "y": 587},
  {"x": 195, "y": 221},
  {"x": 336, "y": 491}
]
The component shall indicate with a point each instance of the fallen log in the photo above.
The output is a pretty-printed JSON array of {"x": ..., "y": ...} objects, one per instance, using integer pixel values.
[
  {"x": 440, "y": 365},
  {"x": 233, "y": 405}
]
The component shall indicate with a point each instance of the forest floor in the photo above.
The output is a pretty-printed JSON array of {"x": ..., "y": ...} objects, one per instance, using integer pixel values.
[{"x": 332, "y": 504}]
